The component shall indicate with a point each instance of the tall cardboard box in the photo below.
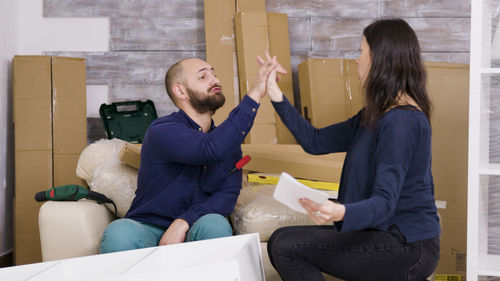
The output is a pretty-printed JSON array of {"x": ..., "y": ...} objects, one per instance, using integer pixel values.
[
  {"x": 279, "y": 45},
  {"x": 252, "y": 40},
  {"x": 448, "y": 86},
  {"x": 221, "y": 46},
  {"x": 50, "y": 132},
  {"x": 33, "y": 150},
  {"x": 330, "y": 90},
  {"x": 221, "y": 51},
  {"x": 69, "y": 117},
  {"x": 257, "y": 32}
]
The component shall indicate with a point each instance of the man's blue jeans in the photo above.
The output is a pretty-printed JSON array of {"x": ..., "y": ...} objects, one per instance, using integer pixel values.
[{"x": 127, "y": 234}]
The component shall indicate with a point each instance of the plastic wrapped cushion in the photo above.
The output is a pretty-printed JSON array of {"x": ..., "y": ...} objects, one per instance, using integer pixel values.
[
  {"x": 257, "y": 211},
  {"x": 101, "y": 167}
]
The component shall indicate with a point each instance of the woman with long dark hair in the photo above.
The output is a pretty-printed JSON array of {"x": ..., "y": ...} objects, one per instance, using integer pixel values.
[{"x": 386, "y": 225}]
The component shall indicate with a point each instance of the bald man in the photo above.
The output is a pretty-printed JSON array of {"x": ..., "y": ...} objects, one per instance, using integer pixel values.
[{"x": 185, "y": 189}]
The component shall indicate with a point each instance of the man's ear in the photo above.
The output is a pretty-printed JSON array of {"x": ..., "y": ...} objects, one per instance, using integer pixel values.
[{"x": 179, "y": 91}]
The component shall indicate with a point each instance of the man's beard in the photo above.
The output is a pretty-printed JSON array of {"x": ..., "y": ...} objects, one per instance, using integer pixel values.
[{"x": 205, "y": 103}]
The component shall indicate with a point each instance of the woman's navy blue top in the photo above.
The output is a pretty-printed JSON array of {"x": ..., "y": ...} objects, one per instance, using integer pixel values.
[{"x": 386, "y": 178}]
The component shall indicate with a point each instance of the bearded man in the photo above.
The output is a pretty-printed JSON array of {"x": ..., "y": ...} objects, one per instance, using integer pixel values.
[{"x": 185, "y": 188}]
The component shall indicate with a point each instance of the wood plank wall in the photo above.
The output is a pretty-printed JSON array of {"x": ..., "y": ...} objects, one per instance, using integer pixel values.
[{"x": 147, "y": 36}]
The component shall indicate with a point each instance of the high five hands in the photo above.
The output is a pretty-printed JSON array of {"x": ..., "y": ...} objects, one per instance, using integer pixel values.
[
  {"x": 272, "y": 89},
  {"x": 267, "y": 67}
]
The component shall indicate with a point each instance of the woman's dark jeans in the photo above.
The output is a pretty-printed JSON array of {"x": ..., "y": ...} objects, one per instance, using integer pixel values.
[{"x": 303, "y": 252}]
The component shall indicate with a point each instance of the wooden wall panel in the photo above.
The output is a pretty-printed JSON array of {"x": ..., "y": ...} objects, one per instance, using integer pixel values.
[
  {"x": 133, "y": 8},
  {"x": 425, "y": 8},
  {"x": 300, "y": 34},
  {"x": 143, "y": 34},
  {"x": 337, "y": 34},
  {"x": 442, "y": 34},
  {"x": 357, "y": 9},
  {"x": 147, "y": 36},
  {"x": 293, "y": 8},
  {"x": 141, "y": 68}
]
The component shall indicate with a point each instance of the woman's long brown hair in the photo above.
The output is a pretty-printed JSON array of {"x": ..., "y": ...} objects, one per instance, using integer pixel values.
[{"x": 396, "y": 68}]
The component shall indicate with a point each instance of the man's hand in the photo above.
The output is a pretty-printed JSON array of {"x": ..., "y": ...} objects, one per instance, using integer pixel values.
[
  {"x": 321, "y": 214},
  {"x": 258, "y": 89},
  {"x": 175, "y": 233}
]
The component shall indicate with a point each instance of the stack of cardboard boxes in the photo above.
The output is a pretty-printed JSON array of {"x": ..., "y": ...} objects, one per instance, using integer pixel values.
[{"x": 50, "y": 131}]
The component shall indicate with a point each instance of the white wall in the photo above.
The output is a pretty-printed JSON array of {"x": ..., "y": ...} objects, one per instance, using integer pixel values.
[
  {"x": 23, "y": 31},
  {"x": 10, "y": 45}
]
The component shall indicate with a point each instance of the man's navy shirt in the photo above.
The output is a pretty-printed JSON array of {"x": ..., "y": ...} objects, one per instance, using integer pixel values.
[
  {"x": 386, "y": 178},
  {"x": 185, "y": 173}
]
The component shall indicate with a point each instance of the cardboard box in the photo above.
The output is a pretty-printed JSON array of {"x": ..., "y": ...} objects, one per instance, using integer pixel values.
[
  {"x": 257, "y": 32},
  {"x": 50, "y": 132},
  {"x": 130, "y": 154},
  {"x": 69, "y": 113},
  {"x": 221, "y": 51},
  {"x": 238, "y": 258},
  {"x": 291, "y": 158},
  {"x": 448, "y": 86},
  {"x": 221, "y": 46},
  {"x": 330, "y": 91},
  {"x": 33, "y": 150},
  {"x": 252, "y": 40},
  {"x": 250, "y": 6},
  {"x": 279, "y": 45}
]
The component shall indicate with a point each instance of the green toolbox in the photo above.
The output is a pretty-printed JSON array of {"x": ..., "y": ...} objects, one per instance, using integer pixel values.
[{"x": 127, "y": 120}]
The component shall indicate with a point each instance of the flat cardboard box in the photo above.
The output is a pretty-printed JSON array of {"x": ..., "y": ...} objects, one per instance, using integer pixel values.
[
  {"x": 238, "y": 258},
  {"x": 221, "y": 51},
  {"x": 291, "y": 158},
  {"x": 50, "y": 132},
  {"x": 448, "y": 86},
  {"x": 330, "y": 90},
  {"x": 279, "y": 45},
  {"x": 130, "y": 154}
]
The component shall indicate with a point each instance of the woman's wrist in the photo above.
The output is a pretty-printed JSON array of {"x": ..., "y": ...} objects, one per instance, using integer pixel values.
[
  {"x": 340, "y": 212},
  {"x": 275, "y": 95}
]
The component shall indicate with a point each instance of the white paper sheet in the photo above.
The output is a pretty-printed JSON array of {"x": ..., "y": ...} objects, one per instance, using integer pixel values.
[{"x": 289, "y": 191}]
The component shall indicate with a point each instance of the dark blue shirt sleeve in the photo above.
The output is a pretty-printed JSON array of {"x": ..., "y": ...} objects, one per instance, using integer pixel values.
[
  {"x": 179, "y": 143},
  {"x": 334, "y": 138},
  {"x": 396, "y": 143}
]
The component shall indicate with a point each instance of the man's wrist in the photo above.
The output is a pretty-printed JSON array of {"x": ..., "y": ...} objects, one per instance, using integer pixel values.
[{"x": 254, "y": 95}]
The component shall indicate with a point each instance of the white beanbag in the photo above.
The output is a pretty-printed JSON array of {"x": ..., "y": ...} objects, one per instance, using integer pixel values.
[{"x": 100, "y": 166}]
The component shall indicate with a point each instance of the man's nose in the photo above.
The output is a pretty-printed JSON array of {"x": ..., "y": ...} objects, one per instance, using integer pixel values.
[{"x": 215, "y": 80}]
